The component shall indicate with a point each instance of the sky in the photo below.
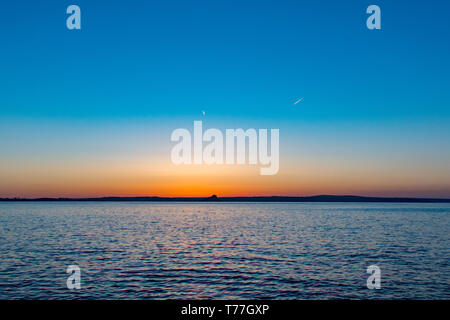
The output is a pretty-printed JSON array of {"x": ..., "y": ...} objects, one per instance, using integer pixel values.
[{"x": 90, "y": 112}]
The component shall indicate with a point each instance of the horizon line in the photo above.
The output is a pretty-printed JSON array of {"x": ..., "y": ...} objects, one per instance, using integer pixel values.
[{"x": 215, "y": 198}]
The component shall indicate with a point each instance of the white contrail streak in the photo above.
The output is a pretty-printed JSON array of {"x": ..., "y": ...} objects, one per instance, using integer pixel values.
[{"x": 298, "y": 100}]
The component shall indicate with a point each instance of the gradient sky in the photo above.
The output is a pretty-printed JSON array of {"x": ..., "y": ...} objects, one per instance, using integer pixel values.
[{"x": 90, "y": 112}]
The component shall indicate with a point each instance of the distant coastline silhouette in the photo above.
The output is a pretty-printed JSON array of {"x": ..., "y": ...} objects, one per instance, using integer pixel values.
[{"x": 215, "y": 198}]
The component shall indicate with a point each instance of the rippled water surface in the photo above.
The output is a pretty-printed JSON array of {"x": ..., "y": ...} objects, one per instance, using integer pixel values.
[{"x": 224, "y": 250}]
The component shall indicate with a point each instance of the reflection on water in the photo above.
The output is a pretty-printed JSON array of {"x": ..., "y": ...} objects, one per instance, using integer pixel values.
[{"x": 224, "y": 251}]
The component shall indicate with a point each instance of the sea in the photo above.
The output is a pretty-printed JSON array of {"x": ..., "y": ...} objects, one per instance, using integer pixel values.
[{"x": 210, "y": 250}]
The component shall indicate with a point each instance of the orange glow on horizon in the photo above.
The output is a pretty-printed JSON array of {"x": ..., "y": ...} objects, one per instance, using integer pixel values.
[{"x": 161, "y": 178}]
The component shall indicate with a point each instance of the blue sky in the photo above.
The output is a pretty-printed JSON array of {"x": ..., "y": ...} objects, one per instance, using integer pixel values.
[
  {"x": 139, "y": 58},
  {"x": 159, "y": 64}
]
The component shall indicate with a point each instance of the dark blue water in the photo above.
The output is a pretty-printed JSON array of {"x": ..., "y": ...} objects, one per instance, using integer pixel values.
[{"x": 224, "y": 251}]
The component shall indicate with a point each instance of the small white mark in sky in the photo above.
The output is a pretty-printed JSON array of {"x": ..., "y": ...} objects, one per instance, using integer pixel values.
[{"x": 298, "y": 100}]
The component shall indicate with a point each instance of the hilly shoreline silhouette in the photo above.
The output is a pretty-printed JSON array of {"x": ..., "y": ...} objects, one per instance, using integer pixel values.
[{"x": 214, "y": 198}]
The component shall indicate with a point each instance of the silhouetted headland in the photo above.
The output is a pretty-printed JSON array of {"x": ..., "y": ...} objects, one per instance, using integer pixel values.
[{"x": 214, "y": 198}]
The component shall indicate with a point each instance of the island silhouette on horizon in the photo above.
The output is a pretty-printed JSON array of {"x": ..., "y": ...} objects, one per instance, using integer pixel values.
[{"x": 215, "y": 198}]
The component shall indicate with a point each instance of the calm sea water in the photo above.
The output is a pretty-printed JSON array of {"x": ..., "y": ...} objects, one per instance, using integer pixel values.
[{"x": 224, "y": 251}]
